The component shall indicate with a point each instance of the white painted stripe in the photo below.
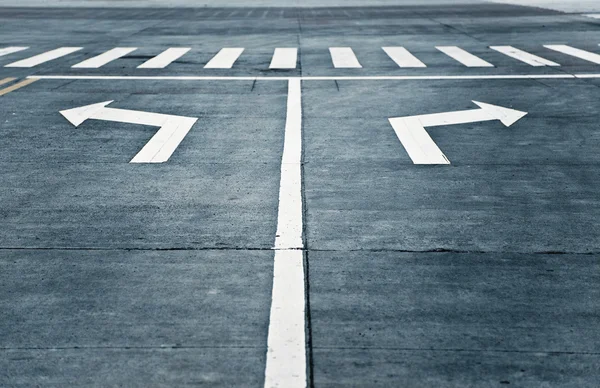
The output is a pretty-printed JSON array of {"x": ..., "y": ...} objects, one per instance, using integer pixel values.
[
  {"x": 286, "y": 347},
  {"x": 523, "y": 56},
  {"x": 10, "y": 50},
  {"x": 344, "y": 58},
  {"x": 463, "y": 56},
  {"x": 104, "y": 58},
  {"x": 224, "y": 58},
  {"x": 284, "y": 58},
  {"x": 44, "y": 57},
  {"x": 165, "y": 58},
  {"x": 321, "y": 78},
  {"x": 575, "y": 52},
  {"x": 403, "y": 57}
]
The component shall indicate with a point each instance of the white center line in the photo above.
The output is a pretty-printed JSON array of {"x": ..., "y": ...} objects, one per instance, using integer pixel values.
[
  {"x": 344, "y": 58},
  {"x": 284, "y": 58},
  {"x": 575, "y": 52},
  {"x": 463, "y": 56},
  {"x": 10, "y": 50},
  {"x": 104, "y": 58},
  {"x": 523, "y": 56},
  {"x": 403, "y": 57},
  {"x": 165, "y": 58},
  {"x": 44, "y": 57},
  {"x": 225, "y": 58},
  {"x": 286, "y": 348}
]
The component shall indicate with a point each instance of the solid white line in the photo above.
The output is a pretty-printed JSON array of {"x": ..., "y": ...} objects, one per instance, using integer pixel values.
[
  {"x": 403, "y": 57},
  {"x": 344, "y": 58},
  {"x": 165, "y": 58},
  {"x": 320, "y": 78},
  {"x": 286, "y": 347},
  {"x": 104, "y": 58},
  {"x": 463, "y": 56},
  {"x": 44, "y": 57},
  {"x": 284, "y": 58},
  {"x": 575, "y": 52},
  {"x": 225, "y": 58},
  {"x": 523, "y": 56},
  {"x": 10, "y": 50}
]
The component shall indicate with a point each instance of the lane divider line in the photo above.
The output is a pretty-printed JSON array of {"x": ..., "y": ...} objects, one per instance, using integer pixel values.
[
  {"x": 286, "y": 345},
  {"x": 6, "y": 80},
  {"x": 18, "y": 85}
]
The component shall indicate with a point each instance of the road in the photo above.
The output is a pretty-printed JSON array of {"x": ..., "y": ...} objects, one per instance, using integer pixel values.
[{"x": 390, "y": 194}]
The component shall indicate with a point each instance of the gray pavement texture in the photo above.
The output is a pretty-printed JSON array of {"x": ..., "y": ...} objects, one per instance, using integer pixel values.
[{"x": 484, "y": 273}]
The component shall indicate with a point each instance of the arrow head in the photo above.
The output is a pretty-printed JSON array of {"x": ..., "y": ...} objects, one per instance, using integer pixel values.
[
  {"x": 76, "y": 116},
  {"x": 506, "y": 115}
]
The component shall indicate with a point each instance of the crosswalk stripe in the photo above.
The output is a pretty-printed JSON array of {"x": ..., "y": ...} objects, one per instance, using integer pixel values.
[
  {"x": 523, "y": 56},
  {"x": 10, "y": 50},
  {"x": 344, "y": 58},
  {"x": 225, "y": 58},
  {"x": 165, "y": 58},
  {"x": 44, "y": 57},
  {"x": 463, "y": 56},
  {"x": 284, "y": 58},
  {"x": 403, "y": 57},
  {"x": 104, "y": 58},
  {"x": 575, "y": 52}
]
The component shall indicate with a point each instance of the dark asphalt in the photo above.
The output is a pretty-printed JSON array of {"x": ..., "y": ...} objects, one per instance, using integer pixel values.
[{"x": 484, "y": 273}]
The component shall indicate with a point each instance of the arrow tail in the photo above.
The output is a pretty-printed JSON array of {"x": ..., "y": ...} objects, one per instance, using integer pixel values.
[
  {"x": 417, "y": 142},
  {"x": 164, "y": 142}
]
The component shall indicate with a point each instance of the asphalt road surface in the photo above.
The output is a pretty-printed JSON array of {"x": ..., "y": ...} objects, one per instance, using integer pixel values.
[{"x": 389, "y": 195}]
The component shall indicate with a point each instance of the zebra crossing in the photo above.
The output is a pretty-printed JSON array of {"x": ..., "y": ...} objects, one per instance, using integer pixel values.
[{"x": 287, "y": 57}]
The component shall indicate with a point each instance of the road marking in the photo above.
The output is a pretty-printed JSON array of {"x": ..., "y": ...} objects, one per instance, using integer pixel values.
[
  {"x": 344, "y": 58},
  {"x": 463, "y": 56},
  {"x": 165, "y": 58},
  {"x": 286, "y": 348},
  {"x": 225, "y": 58},
  {"x": 10, "y": 50},
  {"x": 6, "y": 80},
  {"x": 419, "y": 145},
  {"x": 320, "y": 78},
  {"x": 104, "y": 58},
  {"x": 575, "y": 52},
  {"x": 284, "y": 58},
  {"x": 159, "y": 148},
  {"x": 403, "y": 57},
  {"x": 16, "y": 86},
  {"x": 44, "y": 57},
  {"x": 523, "y": 56}
]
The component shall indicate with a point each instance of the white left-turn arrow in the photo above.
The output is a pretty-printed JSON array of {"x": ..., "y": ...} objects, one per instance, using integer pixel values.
[
  {"x": 159, "y": 148},
  {"x": 419, "y": 145}
]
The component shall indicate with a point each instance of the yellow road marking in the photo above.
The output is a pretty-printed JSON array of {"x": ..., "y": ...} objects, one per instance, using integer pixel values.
[
  {"x": 6, "y": 80},
  {"x": 16, "y": 86}
]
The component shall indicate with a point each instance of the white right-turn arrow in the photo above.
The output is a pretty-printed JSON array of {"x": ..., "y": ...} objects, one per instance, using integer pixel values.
[{"x": 419, "y": 145}]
